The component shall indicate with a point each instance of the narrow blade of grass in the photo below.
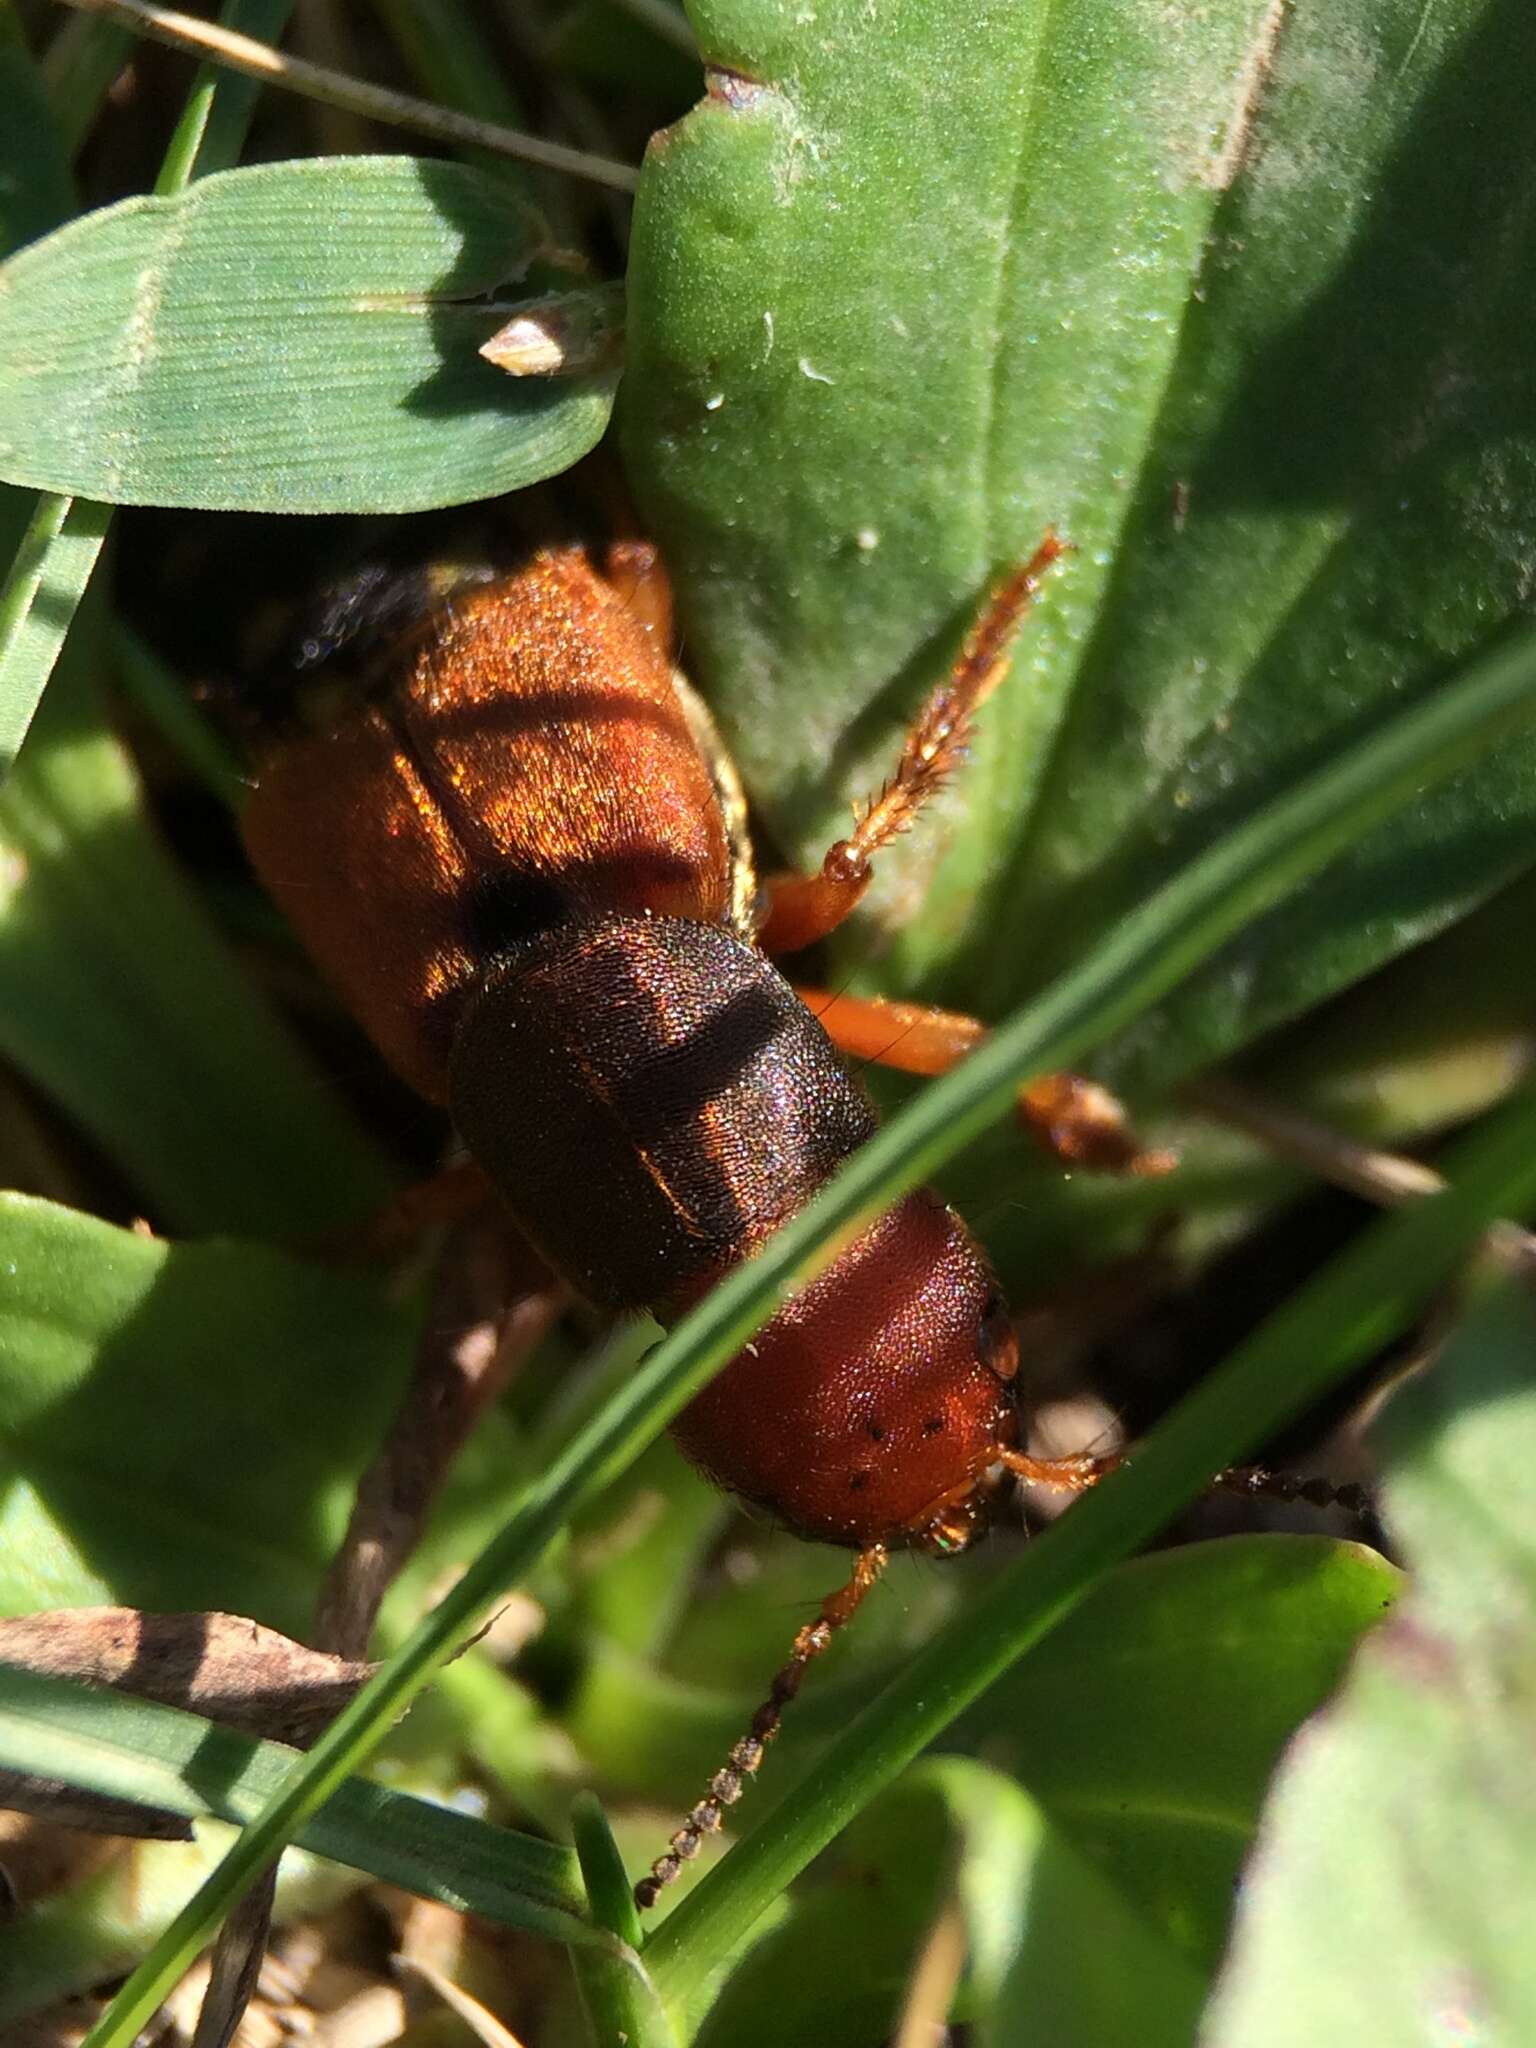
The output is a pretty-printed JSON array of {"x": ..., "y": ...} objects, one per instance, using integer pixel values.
[
  {"x": 64, "y": 537},
  {"x": 160, "y": 1756},
  {"x": 211, "y": 131},
  {"x": 616, "y": 1989},
  {"x": 86, "y": 54},
  {"x": 42, "y": 593}
]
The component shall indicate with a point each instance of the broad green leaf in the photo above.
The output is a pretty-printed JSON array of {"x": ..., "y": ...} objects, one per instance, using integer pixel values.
[
  {"x": 957, "y": 1842},
  {"x": 1353, "y": 414},
  {"x": 296, "y": 337},
  {"x": 1090, "y": 1971},
  {"x": 181, "y": 1426},
  {"x": 904, "y": 291},
  {"x": 120, "y": 1002},
  {"x": 1229, "y": 295},
  {"x": 1148, "y": 1725},
  {"x": 1390, "y": 1900}
]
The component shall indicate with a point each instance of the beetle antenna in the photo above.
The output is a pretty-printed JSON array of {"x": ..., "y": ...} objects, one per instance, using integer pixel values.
[
  {"x": 728, "y": 1783},
  {"x": 1262, "y": 1482},
  {"x": 1075, "y": 1474}
]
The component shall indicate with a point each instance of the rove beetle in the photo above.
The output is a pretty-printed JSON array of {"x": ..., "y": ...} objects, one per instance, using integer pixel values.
[{"x": 519, "y": 854}]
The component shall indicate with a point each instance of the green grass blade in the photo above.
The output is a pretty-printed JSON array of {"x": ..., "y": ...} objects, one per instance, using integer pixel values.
[
  {"x": 36, "y": 190},
  {"x": 455, "y": 63},
  {"x": 56, "y": 543},
  {"x": 1277, "y": 849},
  {"x": 211, "y": 131},
  {"x": 160, "y": 1756},
  {"x": 602, "y": 1868},
  {"x": 86, "y": 54},
  {"x": 621, "y": 2001},
  {"x": 165, "y": 700},
  {"x": 47, "y": 580}
]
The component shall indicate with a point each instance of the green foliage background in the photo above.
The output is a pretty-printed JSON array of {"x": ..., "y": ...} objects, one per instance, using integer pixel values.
[{"x": 1232, "y": 298}]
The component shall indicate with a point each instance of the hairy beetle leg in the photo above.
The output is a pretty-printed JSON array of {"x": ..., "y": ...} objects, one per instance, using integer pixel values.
[{"x": 1075, "y": 1119}]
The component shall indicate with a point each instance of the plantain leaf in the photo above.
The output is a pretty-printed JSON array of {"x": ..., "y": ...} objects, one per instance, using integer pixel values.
[
  {"x": 181, "y": 1426},
  {"x": 1149, "y": 1725},
  {"x": 295, "y": 337},
  {"x": 1228, "y": 295},
  {"x": 1389, "y": 1899}
]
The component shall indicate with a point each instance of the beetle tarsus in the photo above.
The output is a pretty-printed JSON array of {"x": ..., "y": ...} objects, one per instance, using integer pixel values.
[{"x": 728, "y": 1783}]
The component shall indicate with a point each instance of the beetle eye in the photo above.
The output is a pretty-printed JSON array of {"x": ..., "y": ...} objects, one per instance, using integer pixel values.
[{"x": 997, "y": 1344}]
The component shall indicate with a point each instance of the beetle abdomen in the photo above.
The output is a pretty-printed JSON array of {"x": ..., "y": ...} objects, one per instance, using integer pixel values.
[
  {"x": 874, "y": 1394},
  {"x": 650, "y": 1098}
]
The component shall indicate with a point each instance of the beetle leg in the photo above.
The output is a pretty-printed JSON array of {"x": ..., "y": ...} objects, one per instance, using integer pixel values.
[
  {"x": 634, "y": 568},
  {"x": 492, "y": 1302},
  {"x": 451, "y": 1195},
  {"x": 1075, "y": 1473},
  {"x": 804, "y": 908},
  {"x": 728, "y": 1784},
  {"x": 1076, "y": 1120}
]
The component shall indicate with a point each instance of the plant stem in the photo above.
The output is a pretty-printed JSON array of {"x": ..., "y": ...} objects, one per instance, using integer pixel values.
[{"x": 355, "y": 95}]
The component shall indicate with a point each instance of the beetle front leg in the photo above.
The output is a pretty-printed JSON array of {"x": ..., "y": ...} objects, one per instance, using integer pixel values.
[{"x": 805, "y": 908}]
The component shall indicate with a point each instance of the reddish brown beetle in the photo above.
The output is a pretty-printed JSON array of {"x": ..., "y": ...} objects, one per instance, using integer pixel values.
[{"x": 519, "y": 856}]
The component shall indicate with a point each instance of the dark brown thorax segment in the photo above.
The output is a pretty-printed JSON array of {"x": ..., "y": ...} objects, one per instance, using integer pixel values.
[{"x": 650, "y": 1097}]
